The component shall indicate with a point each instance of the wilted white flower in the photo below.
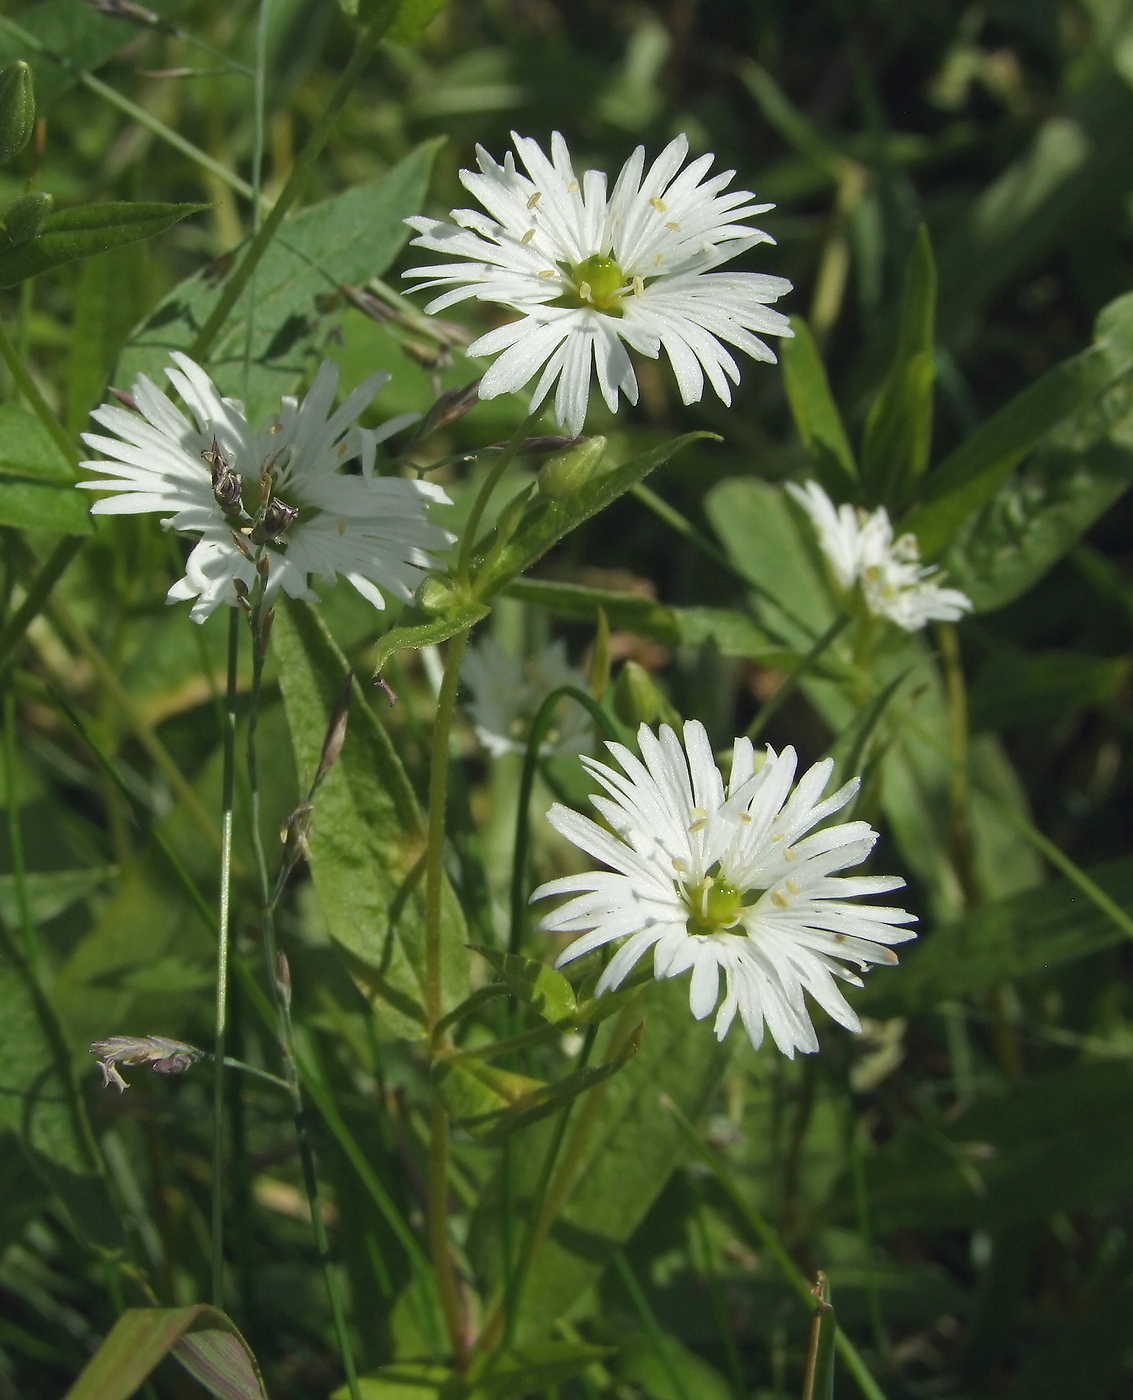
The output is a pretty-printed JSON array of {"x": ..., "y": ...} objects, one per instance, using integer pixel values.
[
  {"x": 726, "y": 879},
  {"x": 279, "y": 491},
  {"x": 162, "y": 1055},
  {"x": 591, "y": 272},
  {"x": 507, "y": 692},
  {"x": 861, "y": 550}
]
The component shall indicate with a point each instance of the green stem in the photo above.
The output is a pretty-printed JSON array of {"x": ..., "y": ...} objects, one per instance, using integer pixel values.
[
  {"x": 32, "y": 950},
  {"x": 257, "y": 169},
  {"x": 535, "y": 739},
  {"x": 770, "y": 1241},
  {"x": 12, "y": 633},
  {"x": 364, "y": 50},
  {"x": 652, "y": 1326},
  {"x": 865, "y": 1229},
  {"x": 222, "y": 923},
  {"x": 36, "y": 402},
  {"x": 791, "y": 684},
  {"x": 278, "y": 977},
  {"x": 484, "y": 495},
  {"x": 131, "y": 109}
]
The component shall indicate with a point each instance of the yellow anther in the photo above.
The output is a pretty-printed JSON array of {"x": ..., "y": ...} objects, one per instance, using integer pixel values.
[
  {"x": 746, "y": 818},
  {"x": 792, "y": 887},
  {"x": 638, "y": 286},
  {"x": 528, "y": 236},
  {"x": 780, "y": 899},
  {"x": 679, "y": 864},
  {"x": 535, "y": 198},
  {"x": 777, "y": 835},
  {"x": 342, "y": 527},
  {"x": 788, "y": 854},
  {"x": 658, "y": 259},
  {"x": 675, "y": 227},
  {"x": 658, "y": 204},
  {"x": 572, "y": 188},
  {"x": 584, "y": 291},
  {"x": 548, "y": 272}
]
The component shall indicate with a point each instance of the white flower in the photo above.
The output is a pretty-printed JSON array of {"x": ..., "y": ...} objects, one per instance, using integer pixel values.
[
  {"x": 589, "y": 271},
  {"x": 317, "y": 520},
  {"x": 726, "y": 879},
  {"x": 508, "y": 691},
  {"x": 860, "y": 549}
]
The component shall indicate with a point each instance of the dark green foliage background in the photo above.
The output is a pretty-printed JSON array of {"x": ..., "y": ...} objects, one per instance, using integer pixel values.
[{"x": 964, "y": 1173}]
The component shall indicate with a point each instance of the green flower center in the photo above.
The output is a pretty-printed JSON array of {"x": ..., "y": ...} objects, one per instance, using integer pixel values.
[
  {"x": 598, "y": 282},
  {"x": 714, "y": 906}
]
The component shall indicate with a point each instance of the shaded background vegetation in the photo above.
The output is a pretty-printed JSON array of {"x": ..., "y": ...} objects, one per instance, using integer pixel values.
[{"x": 963, "y": 1172}]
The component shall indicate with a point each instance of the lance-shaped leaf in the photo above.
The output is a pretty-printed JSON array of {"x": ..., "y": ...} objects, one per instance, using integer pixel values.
[
  {"x": 815, "y": 413},
  {"x": 367, "y": 841},
  {"x": 205, "y": 1341},
  {"x": 534, "y": 983},
  {"x": 37, "y": 483},
  {"x": 504, "y": 1374},
  {"x": 89, "y": 229},
  {"x": 546, "y": 522},
  {"x": 972, "y": 474},
  {"x": 898, "y": 431}
]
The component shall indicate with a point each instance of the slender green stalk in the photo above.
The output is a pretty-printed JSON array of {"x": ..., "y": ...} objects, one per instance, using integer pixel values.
[
  {"x": 865, "y": 1229},
  {"x": 484, "y": 495},
  {"x": 257, "y": 169},
  {"x": 791, "y": 684},
  {"x": 32, "y": 950},
  {"x": 652, "y": 1327},
  {"x": 131, "y": 109},
  {"x": 12, "y": 633},
  {"x": 279, "y": 979},
  {"x": 222, "y": 923},
  {"x": 727, "y": 1340},
  {"x": 538, "y": 733},
  {"x": 364, "y": 50},
  {"x": 35, "y": 400},
  {"x": 770, "y": 1241}
]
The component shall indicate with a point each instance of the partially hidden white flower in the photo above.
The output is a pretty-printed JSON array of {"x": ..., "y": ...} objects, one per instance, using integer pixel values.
[
  {"x": 591, "y": 272},
  {"x": 507, "y": 692},
  {"x": 861, "y": 551},
  {"x": 725, "y": 879},
  {"x": 210, "y": 475}
]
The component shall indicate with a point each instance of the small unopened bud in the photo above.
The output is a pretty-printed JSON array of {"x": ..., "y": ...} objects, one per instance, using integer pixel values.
[
  {"x": 567, "y": 472},
  {"x": 636, "y": 697},
  {"x": 23, "y": 220},
  {"x": 283, "y": 979},
  {"x": 449, "y": 407},
  {"x": 17, "y": 109},
  {"x": 435, "y": 596},
  {"x": 336, "y": 730},
  {"x": 136, "y": 14},
  {"x": 163, "y": 1056},
  {"x": 266, "y": 624},
  {"x": 124, "y": 398}
]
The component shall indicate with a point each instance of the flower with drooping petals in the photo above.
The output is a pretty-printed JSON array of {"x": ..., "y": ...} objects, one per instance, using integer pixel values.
[
  {"x": 507, "y": 692},
  {"x": 727, "y": 879},
  {"x": 861, "y": 551},
  {"x": 592, "y": 272},
  {"x": 279, "y": 494}
]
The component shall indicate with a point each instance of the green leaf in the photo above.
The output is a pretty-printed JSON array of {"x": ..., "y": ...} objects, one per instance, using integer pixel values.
[
  {"x": 73, "y": 31},
  {"x": 973, "y": 473},
  {"x": 1003, "y": 941},
  {"x": 528, "y": 1370},
  {"x": 368, "y": 840},
  {"x": 109, "y": 302},
  {"x": 898, "y": 431},
  {"x": 413, "y": 17},
  {"x": 815, "y": 413},
  {"x": 546, "y": 522},
  {"x": 534, "y": 983},
  {"x": 37, "y": 490},
  {"x": 86, "y": 230},
  {"x": 50, "y": 893},
  {"x": 640, "y": 1365},
  {"x": 623, "y": 1161},
  {"x": 408, "y": 1380},
  {"x": 1020, "y": 688},
  {"x": 203, "y": 1339},
  {"x": 1059, "y": 1142},
  {"x": 349, "y": 238},
  {"x": 732, "y": 633}
]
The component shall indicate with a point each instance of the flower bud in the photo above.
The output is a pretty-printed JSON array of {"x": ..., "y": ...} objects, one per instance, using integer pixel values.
[
  {"x": 435, "y": 596},
  {"x": 23, "y": 219},
  {"x": 17, "y": 109},
  {"x": 567, "y": 472},
  {"x": 636, "y": 697}
]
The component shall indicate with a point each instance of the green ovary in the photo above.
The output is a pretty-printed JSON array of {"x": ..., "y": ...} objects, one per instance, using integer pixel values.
[
  {"x": 714, "y": 907},
  {"x": 605, "y": 280}
]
